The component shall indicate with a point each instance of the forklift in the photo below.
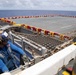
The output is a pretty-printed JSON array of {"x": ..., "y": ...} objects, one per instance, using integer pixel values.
[{"x": 71, "y": 70}]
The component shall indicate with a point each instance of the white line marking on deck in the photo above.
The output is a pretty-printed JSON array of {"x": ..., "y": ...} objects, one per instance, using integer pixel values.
[{"x": 66, "y": 27}]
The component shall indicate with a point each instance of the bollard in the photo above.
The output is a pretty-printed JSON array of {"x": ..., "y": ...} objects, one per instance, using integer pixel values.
[
  {"x": 28, "y": 27},
  {"x": 34, "y": 29},
  {"x": 67, "y": 37},
  {"x": 46, "y": 32},
  {"x": 61, "y": 37},
  {"x": 52, "y": 34},
  {"x": 2, "y": 19},
  {"x": 38, "y": 30},
  {"x": 22, "y": 25}
]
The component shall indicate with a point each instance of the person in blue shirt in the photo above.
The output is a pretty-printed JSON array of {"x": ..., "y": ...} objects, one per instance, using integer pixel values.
[{"x": 8, "y": 59}]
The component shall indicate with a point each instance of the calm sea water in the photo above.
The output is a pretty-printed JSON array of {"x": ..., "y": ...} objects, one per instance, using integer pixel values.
[{"x": 10, "y": 13}]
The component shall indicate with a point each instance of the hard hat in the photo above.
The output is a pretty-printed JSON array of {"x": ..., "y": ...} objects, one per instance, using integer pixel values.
[{"x": 4, "y": 36}]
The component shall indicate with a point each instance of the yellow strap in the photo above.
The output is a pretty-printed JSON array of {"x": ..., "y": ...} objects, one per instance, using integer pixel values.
[
  {"x": 74, "y": 43},
  {"x": 65, "y": 73}
]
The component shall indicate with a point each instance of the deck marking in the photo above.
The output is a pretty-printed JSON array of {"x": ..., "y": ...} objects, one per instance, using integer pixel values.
[{"x": 66, "y": 27}]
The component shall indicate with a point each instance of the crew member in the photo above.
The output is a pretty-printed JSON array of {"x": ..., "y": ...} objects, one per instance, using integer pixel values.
[{"x": 8, "y": 61}]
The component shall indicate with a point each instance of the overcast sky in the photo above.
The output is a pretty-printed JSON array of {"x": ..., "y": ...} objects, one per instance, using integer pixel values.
[{"x": 38, "y": 4}]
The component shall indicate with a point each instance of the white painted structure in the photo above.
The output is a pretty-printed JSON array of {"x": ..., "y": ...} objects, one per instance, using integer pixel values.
[
  {"x": 6, "y": 73},
  {"x": 52, "y": 64}
]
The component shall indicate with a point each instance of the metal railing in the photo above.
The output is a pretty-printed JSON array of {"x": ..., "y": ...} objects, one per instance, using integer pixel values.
[{"x": 22, "y": 41}]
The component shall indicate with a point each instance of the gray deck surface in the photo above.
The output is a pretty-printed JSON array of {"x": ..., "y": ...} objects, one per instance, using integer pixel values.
[
  {"x": 56, "y": 23},
  {"x": 45, "y": 41}
]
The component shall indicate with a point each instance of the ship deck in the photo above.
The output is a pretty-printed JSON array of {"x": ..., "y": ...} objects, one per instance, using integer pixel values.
[
  {"x": 57, "y": 23},
  {"x": 44, "y": 40}
]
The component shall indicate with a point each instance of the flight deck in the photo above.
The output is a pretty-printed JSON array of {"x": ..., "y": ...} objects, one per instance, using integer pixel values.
[{"x": 42, "y": 38}]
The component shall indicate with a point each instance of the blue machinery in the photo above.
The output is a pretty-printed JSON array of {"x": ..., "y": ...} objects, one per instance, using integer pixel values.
[{"x": 22, "y": 41}]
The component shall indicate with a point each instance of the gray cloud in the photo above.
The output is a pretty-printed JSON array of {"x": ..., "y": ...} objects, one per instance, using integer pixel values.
[{"x": 38, "y": 4}]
